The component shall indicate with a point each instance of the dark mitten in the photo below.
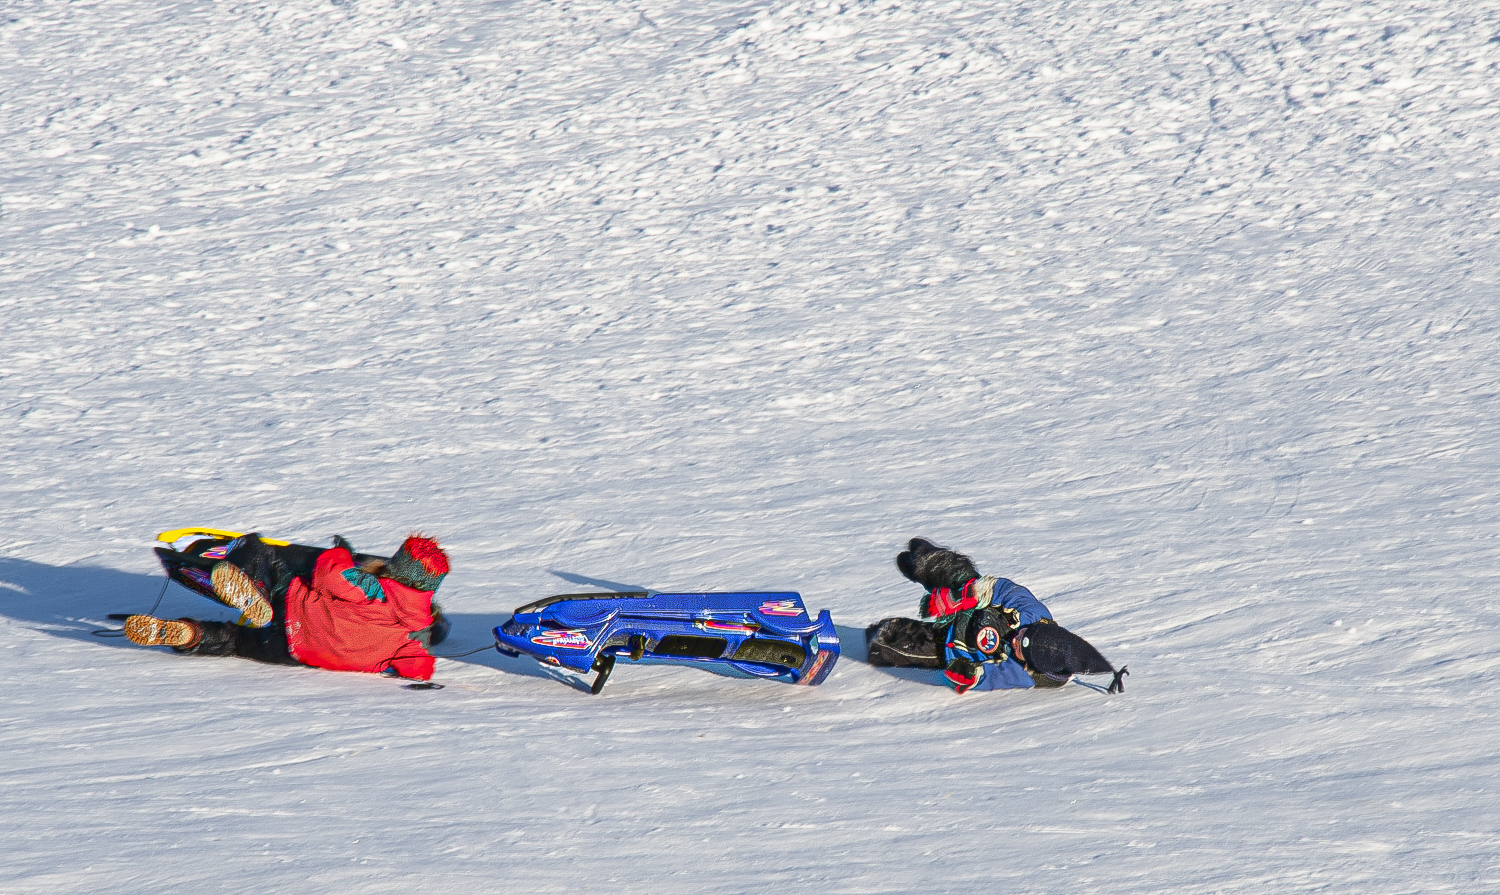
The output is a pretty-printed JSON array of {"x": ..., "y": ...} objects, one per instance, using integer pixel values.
[
  {"x": 906, "y": 561},
  {"x": 907, "y": 565},
  {"x": 935, "y": 567},
  {"x": 962, "y": 675}
]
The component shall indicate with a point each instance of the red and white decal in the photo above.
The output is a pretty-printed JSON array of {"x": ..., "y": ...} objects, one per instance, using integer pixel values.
[
  {"x": 780, "y": 607},
  {"x": 713, "y": 624},
  {"x": 562, "y": 639},
  {"x": 988, "y": 640}
]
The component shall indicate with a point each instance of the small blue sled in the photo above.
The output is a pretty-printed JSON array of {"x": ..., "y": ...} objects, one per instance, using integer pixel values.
[{"x": 761, "y": 634}]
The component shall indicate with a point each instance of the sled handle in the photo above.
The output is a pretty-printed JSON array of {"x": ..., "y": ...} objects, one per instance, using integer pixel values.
[
  {"x": 604, "y": 665},
  {"x": 177, "y": 534}
]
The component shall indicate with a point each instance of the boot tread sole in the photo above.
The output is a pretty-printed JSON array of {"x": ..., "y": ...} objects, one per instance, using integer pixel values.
[{"x": 234, "y": 589}]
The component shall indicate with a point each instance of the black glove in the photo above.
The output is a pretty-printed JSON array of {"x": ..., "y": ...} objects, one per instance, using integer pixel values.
[{"x": 962, "y": 675}]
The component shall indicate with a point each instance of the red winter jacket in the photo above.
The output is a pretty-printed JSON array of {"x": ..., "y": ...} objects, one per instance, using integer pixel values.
[{"x": 334, "y": 624}]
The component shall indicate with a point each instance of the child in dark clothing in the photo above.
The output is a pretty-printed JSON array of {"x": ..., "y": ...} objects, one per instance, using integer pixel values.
[{"x": 986, "y": 633}]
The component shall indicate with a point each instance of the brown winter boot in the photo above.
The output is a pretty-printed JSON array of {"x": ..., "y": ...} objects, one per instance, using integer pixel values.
[
  {"x": 148, "y": 631},
  {"x": 235, "y": 589}
]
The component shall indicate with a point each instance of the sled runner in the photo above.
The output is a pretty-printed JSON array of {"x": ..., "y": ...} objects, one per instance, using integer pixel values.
[{"x": 760, "y": 634}]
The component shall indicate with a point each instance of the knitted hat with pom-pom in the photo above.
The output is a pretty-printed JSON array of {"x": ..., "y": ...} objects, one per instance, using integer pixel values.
[{"x": 419, "y": 564}]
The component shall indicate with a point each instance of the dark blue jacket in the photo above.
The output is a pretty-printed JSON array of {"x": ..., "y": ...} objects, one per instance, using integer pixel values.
[{"x": 1008, "y": 674}]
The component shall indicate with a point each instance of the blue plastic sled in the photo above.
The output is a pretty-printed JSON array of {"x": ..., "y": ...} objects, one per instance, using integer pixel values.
[{"x": 762, "y": 634}]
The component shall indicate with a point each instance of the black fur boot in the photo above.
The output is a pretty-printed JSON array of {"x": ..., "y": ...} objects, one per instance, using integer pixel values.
[
  {"x": 933, "y": 567},
  {"x": 905, "y": 643}
]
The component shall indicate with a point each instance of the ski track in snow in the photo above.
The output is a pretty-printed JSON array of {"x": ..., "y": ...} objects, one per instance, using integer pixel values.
[{"x": 1182, "y": 314}]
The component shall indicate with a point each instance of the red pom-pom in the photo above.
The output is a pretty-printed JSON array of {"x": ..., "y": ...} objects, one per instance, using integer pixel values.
[{"x": 426, "y": 551}]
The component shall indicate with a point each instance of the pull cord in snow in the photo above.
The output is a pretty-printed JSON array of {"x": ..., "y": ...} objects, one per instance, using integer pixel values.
[
  {"x": 390, "y": 668},
  {"x": 118, "y": 616},
  {"x": 1117, "y": 685}
]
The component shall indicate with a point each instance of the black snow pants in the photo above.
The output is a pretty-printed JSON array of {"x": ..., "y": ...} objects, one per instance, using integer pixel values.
[{"x": 266, "y": 567}]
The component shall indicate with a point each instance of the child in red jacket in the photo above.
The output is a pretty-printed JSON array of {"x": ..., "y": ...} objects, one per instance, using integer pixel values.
[{"x": 377, "y": 616}]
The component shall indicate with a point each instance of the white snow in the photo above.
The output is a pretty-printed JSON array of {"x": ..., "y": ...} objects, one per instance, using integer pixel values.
[{"x": 1185, "y": 315}]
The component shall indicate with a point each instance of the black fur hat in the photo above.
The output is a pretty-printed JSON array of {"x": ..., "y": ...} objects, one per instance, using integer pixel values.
[
  {"x": 1053, "y": 650},
  {"x": 935, "y": 567}
]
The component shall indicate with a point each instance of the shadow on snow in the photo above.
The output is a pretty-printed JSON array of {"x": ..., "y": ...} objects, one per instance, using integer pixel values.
[{"x": 75, "y": 602}]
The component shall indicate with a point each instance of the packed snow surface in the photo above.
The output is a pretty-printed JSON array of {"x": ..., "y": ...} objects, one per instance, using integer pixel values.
[{"x": 1183, "y": 314}]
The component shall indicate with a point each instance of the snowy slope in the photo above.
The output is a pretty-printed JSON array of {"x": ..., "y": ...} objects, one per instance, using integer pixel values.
[{"x": 1182, "y": 314}]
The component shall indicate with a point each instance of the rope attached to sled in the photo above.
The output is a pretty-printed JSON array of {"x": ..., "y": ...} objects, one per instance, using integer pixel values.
[
  {"x": 120, "y": 632},
  {"x": 390, "y": 668}
]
